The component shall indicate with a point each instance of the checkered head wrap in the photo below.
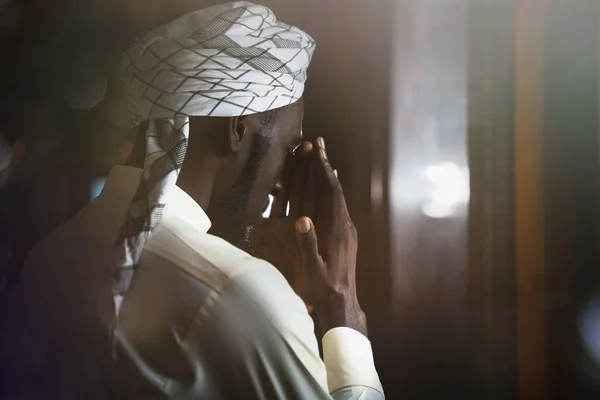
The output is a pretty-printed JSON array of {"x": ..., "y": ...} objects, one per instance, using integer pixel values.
[{"x": 229, "y": 60}]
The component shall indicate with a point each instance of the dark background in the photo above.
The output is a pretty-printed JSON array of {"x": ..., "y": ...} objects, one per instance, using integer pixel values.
[{"x": 480, "y": 304}]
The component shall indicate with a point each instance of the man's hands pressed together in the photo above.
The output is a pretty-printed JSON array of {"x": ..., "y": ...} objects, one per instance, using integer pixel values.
[{"x": 321, "y": 253}]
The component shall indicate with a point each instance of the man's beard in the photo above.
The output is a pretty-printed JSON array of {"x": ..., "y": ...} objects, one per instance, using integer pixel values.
[
  {"x": 234, "y": 224},
  {"x": 249, "y": 245}
]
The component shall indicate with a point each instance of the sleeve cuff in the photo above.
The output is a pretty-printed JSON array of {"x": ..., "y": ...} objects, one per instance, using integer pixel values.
[{"x": 349, "y": 360}]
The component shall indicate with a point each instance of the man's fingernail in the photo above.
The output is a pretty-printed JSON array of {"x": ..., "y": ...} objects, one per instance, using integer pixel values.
[
  {"x": 323, "y": 153},
  {"x": 321, "y": 142},
  {"x": 303, "y": 225},
  {"x": 335, "y": 173}
]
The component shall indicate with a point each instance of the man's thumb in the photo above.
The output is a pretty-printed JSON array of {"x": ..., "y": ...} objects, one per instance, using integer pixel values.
[{"x": 307, "y": 239}]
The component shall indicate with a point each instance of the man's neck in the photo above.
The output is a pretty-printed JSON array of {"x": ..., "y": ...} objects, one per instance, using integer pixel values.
[
  {"x": 198, "y": 173},
  {"x": 197, "y": 178}
]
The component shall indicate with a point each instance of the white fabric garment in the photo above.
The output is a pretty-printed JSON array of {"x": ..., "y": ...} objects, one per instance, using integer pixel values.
[
  {"x": 74, "y": 257},
  {"x": 228, "y": 60},
  {"x": 347, "y": 353}
]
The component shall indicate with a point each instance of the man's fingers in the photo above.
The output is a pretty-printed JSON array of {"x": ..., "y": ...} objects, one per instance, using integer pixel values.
[
  {"x": 334, "y": 203},
  {"x": 326, "y": 172},
  {"x": 307, "y": 242},
  {"x": 298, "y": 179},
  {"x": 309, "y": 196}
]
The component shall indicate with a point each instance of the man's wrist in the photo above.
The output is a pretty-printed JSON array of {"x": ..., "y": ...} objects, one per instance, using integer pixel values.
[{"x": 341, "y": 309}]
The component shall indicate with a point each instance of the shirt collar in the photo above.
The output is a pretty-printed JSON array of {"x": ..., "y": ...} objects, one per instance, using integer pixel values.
[{"x": 181, "y": 210}]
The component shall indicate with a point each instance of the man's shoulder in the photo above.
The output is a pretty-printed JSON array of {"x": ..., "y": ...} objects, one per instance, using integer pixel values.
[
  {"x": 218, "y": 264},
  {"x": 201, "y": 255}
]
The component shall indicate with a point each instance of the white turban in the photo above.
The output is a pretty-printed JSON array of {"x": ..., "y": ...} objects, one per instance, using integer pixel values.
[{"x": 228, "y": 60}]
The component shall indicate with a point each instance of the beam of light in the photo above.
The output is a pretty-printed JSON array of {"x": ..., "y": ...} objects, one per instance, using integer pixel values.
[
  {"x": 448, "y": 190},
  {"x": 589, "y": 329},
  {"x": 377, "y": 186},
  {"x": 267, "y": 212}
]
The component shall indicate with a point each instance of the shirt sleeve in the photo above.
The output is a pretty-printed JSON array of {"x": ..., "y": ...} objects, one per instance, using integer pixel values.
[
  {"x": 348, "y": 371},
  {"x": 351, "y": 372},
  {"x": 357, "y": 393}
]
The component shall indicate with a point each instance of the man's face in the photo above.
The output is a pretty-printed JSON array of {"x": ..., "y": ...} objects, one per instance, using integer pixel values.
[{"x": 245, "y": 181}]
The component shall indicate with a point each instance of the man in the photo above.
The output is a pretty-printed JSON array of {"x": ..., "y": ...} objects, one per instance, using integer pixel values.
[{"x": 190, "y": 315}]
